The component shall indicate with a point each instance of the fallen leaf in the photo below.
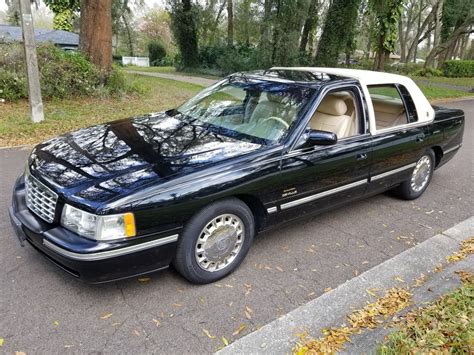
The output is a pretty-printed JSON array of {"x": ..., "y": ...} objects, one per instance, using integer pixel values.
[
  {"x": 20, "y": 353},
  {"x": 202, "y": 300},
  {"x": 136, "y": 332},
  {"x": 229, "y": 286},
  {"x": 250, "y": 310},
  {"x": 208, "y": 334},
  {"x": 2, "y": 341},
  {"x": 438, "y": 268},
  {"x": 399, "y": 279},
  {"x": 267, "y": 267},
  {"x": 371, "y": 291},
  {"x": 327, "y": 289},
  {"x": 177, "y": 305},
  {"x": 56, "y": 322},
  {"x": 365, "y": 262},
  {"x": 279, "y": 268},
  {"x": 144, "y": 279},
  {"x": 106, "y": 316},
  {"x": 157, "y": 322},
  {"x": 238, "y": 331},
  {"x": 225, "y": 341},
  {"x": 248, "y": 315}
]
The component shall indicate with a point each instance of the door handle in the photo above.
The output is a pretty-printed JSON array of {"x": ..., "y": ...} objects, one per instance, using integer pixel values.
[
  {"x": 362, "y": 156},
  {"x": 420, "y": 138}
]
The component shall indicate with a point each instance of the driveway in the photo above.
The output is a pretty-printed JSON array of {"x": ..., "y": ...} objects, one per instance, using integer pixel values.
[{"x": 43, "y": 310}]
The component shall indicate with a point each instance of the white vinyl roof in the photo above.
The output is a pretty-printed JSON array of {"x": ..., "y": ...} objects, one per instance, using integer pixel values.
[{"x": 369, "y": 77}]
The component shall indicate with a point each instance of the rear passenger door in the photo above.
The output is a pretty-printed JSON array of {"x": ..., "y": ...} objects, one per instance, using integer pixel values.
[{"x": 398, "y": 142}]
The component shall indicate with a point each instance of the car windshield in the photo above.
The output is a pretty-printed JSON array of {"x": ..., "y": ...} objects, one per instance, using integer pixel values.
[{"x": 256, "y": 110}]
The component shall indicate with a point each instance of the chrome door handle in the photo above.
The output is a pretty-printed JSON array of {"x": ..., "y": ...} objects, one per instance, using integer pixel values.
[{"x": 361, "y": 156}]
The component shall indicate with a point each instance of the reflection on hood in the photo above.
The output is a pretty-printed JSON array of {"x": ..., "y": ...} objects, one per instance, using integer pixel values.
[{"x": 100, "y": 162}]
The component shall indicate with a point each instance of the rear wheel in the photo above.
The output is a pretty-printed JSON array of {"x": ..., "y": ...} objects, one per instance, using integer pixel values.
[
  {"x": 215, "y": 241},
  {"x": 419, "y": 179}
]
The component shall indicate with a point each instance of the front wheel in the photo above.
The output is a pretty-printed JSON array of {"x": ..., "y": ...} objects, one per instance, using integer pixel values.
[
  {"x": 420, "y": 178},
  {"x": 215, "y": 241}
]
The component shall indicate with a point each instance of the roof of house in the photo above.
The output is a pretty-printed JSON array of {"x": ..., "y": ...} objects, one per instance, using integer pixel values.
[{"x": 14, "y": 34}]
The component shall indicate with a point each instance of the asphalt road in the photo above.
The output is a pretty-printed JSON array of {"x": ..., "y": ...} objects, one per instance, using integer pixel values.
[{"x": 43, "y": 310}]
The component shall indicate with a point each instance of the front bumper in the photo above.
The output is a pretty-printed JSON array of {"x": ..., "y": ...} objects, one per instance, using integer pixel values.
[{"x": 88, "y": 260}]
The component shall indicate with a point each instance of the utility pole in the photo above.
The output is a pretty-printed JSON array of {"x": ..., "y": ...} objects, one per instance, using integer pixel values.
[{"x": 34, "y": 88}]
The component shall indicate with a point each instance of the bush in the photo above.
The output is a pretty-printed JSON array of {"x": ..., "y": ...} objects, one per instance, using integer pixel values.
[
  {"x": 157, "y": 53},
  {"x": 458, "y": 68},
  {"x": 62, "y": 74},
  {"x": 428, "y": 72}
]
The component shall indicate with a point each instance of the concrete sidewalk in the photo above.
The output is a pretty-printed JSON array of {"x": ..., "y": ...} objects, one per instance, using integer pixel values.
[{"x": 332, "y": 308}]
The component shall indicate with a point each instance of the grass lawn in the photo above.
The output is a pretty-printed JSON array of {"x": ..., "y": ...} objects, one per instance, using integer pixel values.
[
  {"x": 467, "y": 82},
  {"x": 172, "y": 70},
  {"x": 445, "y": 327},
  {"x": 67, "y": 115},
  {"x": 436, "y": 92}
]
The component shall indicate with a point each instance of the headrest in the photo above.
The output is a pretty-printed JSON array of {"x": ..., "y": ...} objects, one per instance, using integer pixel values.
[
  {"x": 274, "y": 97},
  {"x": 332, "y": 105},
  {"x": 387, "y": 106}
]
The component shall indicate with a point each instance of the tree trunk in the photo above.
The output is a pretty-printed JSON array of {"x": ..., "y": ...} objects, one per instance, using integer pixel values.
[
  {"x": 129, "y": 35},
  {"x": 95, "y": 39},
  {"x": 309, "y": 25},
  {"x": 230, "y": 23}
]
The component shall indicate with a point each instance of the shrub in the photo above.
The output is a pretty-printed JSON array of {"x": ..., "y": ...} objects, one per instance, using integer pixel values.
[
  {"x": 157, "y": 53},
  {"x": 12, "y": 86},
  {"x": 428, "y": 72},
  {"x": 62, "y": 74},
  {"x": 458, "y": 68}
]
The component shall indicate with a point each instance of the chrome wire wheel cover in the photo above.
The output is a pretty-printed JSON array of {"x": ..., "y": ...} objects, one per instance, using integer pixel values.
[
  {"x": 421, "y": 174},
  {"x": 219, "y": 242}
]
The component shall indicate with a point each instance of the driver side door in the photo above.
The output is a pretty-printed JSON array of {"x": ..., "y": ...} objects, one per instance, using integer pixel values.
[{"x": 317, "y": 178}]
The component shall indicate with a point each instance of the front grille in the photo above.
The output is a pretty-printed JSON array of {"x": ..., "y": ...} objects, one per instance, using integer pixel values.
[{"x": 40, "y": 199}]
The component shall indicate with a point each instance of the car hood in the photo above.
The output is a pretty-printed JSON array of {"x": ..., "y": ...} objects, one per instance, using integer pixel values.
[{"x": 103, "y": 162}]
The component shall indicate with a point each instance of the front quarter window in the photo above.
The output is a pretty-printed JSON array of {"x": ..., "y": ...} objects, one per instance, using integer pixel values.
[{"x": 259, "y": 109}]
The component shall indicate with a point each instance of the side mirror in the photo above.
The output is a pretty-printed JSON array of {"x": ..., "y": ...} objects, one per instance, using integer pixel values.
[{"x": 315, "y": 137}]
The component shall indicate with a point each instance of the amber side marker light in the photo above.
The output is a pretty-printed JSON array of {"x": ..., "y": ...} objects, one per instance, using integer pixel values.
[{"x": 129, "y": 221}]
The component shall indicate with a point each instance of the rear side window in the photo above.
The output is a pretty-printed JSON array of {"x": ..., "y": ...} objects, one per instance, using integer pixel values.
[{"x": 390, "y": 106}]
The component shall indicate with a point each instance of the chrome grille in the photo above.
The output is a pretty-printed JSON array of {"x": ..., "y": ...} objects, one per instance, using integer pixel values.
[{"x": 40, "y": 199}]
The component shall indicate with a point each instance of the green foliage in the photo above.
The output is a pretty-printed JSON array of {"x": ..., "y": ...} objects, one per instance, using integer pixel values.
[
  {"x": 387, "y": 13},
  {"x": 454, "y": 13},
  {"x": 428, "y": 72},
  {"x": 13, "y": 86},
  {"x": 458, "y": 68},
  {"x": 157, "y": 53},
  {"x": 184, "y": 18},
  {"x": 445, "y": 327},
  {"x": 338, "y": 31},
  {"x": 62, "y": 75},
  {"x": 65, "y": 12}
]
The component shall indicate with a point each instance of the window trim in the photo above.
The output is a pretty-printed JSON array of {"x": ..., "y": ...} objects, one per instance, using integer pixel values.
[
  {"x": 399, "y": 127},
  {"x": 364, "y": 117}
]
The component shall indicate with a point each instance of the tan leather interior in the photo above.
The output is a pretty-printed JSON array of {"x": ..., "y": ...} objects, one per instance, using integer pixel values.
[
  {"x": 335, "y": 115},
  {"x": 273, "y": 106},
  {"x": 388, "y": 113}
]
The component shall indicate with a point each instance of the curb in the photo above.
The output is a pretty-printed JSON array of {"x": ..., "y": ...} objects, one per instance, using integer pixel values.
[{"x": 332, "y": 308}]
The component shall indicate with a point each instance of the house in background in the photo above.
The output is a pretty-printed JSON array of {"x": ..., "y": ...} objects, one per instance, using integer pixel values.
[{"x": 63, "y": 39}]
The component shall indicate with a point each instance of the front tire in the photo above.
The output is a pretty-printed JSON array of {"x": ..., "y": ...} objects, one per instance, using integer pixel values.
[
  {"x": 419, "y": 179},
  {"x": 215, "y": 241}
]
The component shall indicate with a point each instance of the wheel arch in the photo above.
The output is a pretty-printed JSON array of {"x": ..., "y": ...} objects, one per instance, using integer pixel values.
[
  {"x": 256, "y": 207},
  {"x": 438, "y": 152}
]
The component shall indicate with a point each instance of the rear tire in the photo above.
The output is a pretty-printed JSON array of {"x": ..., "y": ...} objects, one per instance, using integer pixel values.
[
  {"x": 215, "y": 241},
  {"x": 420, "y": 178}
]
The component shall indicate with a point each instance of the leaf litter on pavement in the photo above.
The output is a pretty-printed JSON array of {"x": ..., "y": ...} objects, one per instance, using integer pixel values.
[{"x": 374, "y": 314}]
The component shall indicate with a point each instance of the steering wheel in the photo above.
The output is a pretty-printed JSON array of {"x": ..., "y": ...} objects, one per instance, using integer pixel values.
[{"x": 279, "y": 120}]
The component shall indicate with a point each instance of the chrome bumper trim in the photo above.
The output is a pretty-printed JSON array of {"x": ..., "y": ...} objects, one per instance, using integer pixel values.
[
  {"x": 391, "y": 172},
  {"x": 452, "y": 149},
  {"x": 322, "y": 194},
  {"x": 271, "y": 210},
  {"x": 110, "y": 253}
]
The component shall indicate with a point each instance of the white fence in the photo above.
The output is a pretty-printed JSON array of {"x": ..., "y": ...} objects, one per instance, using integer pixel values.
[{"x": 138, "y": 61}]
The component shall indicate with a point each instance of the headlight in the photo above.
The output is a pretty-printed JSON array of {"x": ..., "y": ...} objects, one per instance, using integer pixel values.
[{"x": 96, "y": 227}]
